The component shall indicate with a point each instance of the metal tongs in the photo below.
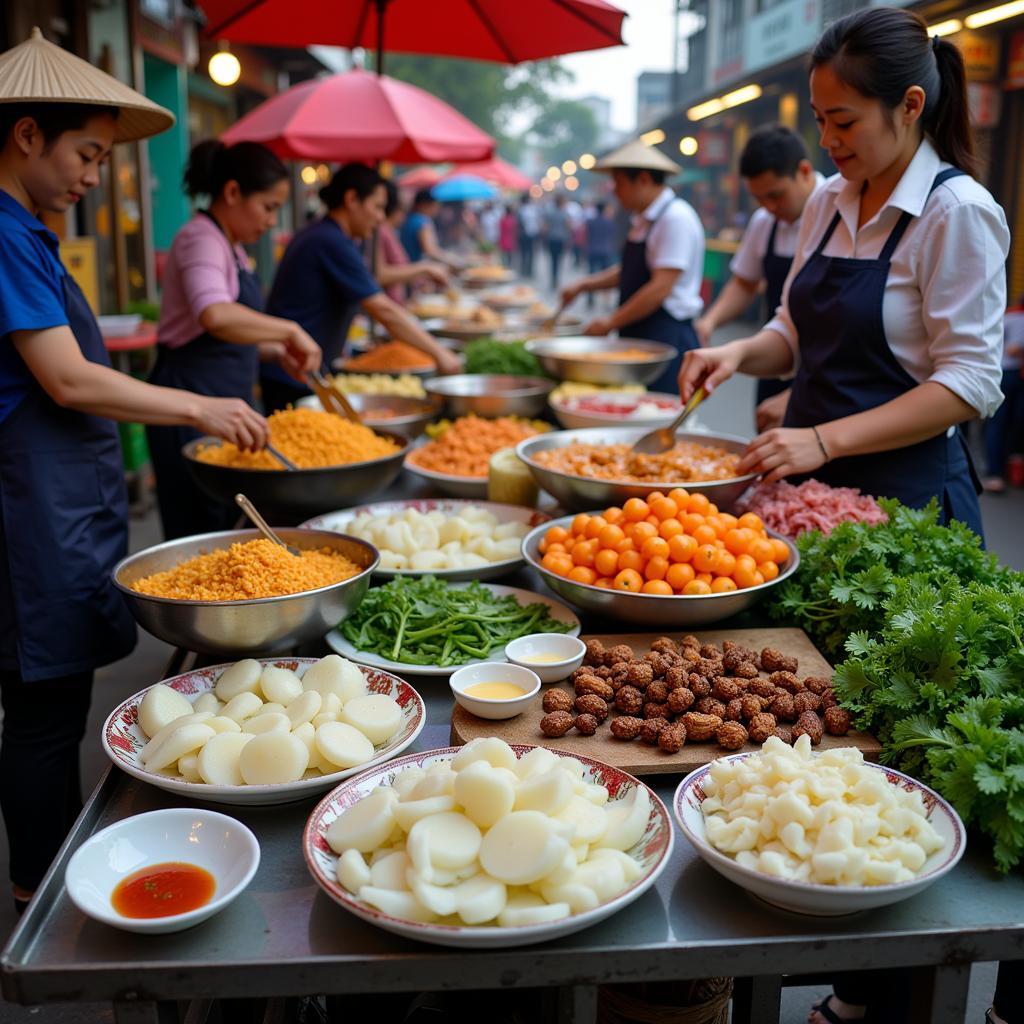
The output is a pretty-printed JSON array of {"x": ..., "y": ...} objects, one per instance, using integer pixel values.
[
  {"x": 549, "y": 324},
  {"x": 331, "y": 399}
]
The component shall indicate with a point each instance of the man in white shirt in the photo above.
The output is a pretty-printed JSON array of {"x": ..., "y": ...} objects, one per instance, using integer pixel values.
[
  {"x": 778, "y": 174},
  {"x": 659, "y": 274},
  {"x": 529, "y": 229}
]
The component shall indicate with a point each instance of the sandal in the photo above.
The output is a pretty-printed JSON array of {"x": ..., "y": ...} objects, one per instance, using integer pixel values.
[{"x": 830, "y": 1015}]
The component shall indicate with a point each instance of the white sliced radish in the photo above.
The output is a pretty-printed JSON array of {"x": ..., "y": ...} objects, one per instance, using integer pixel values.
[
  {"x": 364, "y": 825},
  {"x": 631, "y": 870},
  {"x": 589, "y": 821},
  {"x": 267, "y": 721},
  {"x": 522, "y": 848},
  {"x": 453, "y": 841},
  {"x": 221, "y": 723},
  {"x": 273, "y": 758},
  {"x": 484, "y": 793},
  {"x": 548, "y": 792},
  {"x": 538, "y": 761},
  {"x": 408, "y": 812},
  {"x": 186, "y": 738},
  {"x": 561, "y": 874},
  {"x": 604, "y": 877},
  {"x": 435, "y": 898},
  {"x": 434, "y": 784},
  {"x": 403, "y": 905},
  {"x": 342, "y": 745},
  {"x": 485, "y": 748},
  {"x": 405, "y": 781},
  {"x": 579, "y": 897},
  {"x": 146, "y": 752},
  {"x": 595, "y": 793},
  {"x": 627, "y": 820},
  {"x": 280, "y": 685},
  {"x": 160, "y": 707},
  {"x": 218, "y": 760},
  {"x": 331, "y": 703},
  {"x": 243, "y": 706},
  {"x": 527, "y": 909},
  {"x": 304, "y": 708},
  {"x": 188, "y": 766},
  {"x": 480, "y": 898},
  {"x": 207, "y": 702},
  {"x": 334, "y": 674},
  {"x": 324, "y": 717},
  {"x": 242, "y": 677},
  {"x": 307, "y": 734},
  {"x": 376, "y": 715},
  {"x": 352, "y": 871},
  {"x": 388, "y": 872}
]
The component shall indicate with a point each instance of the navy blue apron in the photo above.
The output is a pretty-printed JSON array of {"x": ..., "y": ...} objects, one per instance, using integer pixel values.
[
  {"x": 660, "y": 325},
  {"x": 775, "y": 269},
  {"x": 846, "y": 367},
  {"x": 64, "y": 526},
  {"x": 207, "y": 366}
]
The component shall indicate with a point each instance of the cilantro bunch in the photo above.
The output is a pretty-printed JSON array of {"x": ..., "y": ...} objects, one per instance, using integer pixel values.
[{"x": 502, "y": 357}]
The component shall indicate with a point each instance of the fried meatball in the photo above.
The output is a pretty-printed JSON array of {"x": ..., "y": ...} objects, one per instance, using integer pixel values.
[
  {"x": 745, "y": 670},
  {"x": 700, "y": 727},
  {"x": 629, "y": 700},
  {"x": 658, "y": 663},
  {"x": 725, "y": 689},
  {"x": 699, "y": 685},
  {"x": 556, "y": 700},
  {"x": 773, "y": 660},
  {"x": 734, "y": 710},
  {"x": 591, "y": 704},
  {"x": 783, "y": 708},
  {"x": 837, "y": 721},
  {"x": 710, "y": 651},
  {"x": 828, "y": 700},
  {"x": 709, "y": 667},
  {"x": 675, "y": 677},
  {"x": 783, "y": 733},
  {"x": 557, "y": 723},
  {"x": 809, "y": 724},
  {"x": 710, "y": 706},
  {"x": 680, "y": 700},
  {"x": 650, "y": 729},
  {"x": 626, "y": 727},
  {"x": 665, "y": 645},
  {"x": 657, "y": 691},
  {"x": 761, "y": 688},
  {"x": 787, "y": 681},
  {"x": 818, "y": 684},
  {"x": 603, "y": 672},
  {"x": 806, "y": 701},
  {"x": 731, "y": 735},
  {"x": 761, "y": 727},
  {"x": 595, "y": 686},
  {"x": 586, "y": 725},
  {"x": 654, "y": 710},
  {"x": 595, "y": 653},
  {"x": 672, "y": 738},
  {"x": 620, "y": 652},
  {"x": 751, "y": 705},
  {"x": 689, "y": 641},
  {"x": 640, "y": 675}
]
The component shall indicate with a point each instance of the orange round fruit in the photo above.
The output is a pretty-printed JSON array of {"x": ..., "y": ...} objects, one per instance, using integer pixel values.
[
  {"x": 682, "y": 547},
  {"x": 670, "y": 528},
  {"x": 583, "y": 552},
  {"x": 664, "y": 508},
  {"x": 679, "y": 575},
  {"x": 698, "y": 503},
  {"x": 705, "y": 534},
  {"x": 697, "y": 587},
  {"x": 705, "y": 577},
  {"x": 726, "y": 562},
  {"x": 643, "y": 531},
  {"x": 738, "y": 540},
  {"x": 604, "y": 582},
  {"x": 722, "y": 584},
  {"x": 705, "y": 558},
  {"x": 582, "y": 574},
  {"x": 751, "y": 521},
  {"x": 559, "y": 564},
  {"x": 780, "y": 551},
  {"x": 761, "y": 550},
  {"x": 635, "y": 509},
  {"x": 659, "y": 587},
  {"x": 630, "y": 560},
  {"x": 691, "y": 520},
  {"x": 610, "y": 535},
  {"x": 746, "y": 576},
  {"x": 679, "y": 496},
  {"x": 595, "y": 526},
  {"x": 655, "y": 546},
  {"x": 612, "y": 514},
  {"x": 606, "y": 562},
  {"x": 769, "y": 570},
  {"x": 629, "y": 580},
  {"x": 656, "y": 568}
]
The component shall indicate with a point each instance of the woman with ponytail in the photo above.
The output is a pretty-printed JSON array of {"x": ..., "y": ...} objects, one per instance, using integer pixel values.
[
  {"x": 891, "y": 317},
  {"x": 212, "y": 331}
]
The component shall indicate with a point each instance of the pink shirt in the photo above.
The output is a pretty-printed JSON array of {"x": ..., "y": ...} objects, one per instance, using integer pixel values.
[
  {"x": 201, "y": 270},
  {"x": 392, "y": 253}
]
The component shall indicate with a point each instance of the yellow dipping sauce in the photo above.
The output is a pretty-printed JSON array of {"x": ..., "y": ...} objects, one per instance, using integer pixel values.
[
  {"x": 494, "y": 691},
  {"x": 542, "y": 659}
]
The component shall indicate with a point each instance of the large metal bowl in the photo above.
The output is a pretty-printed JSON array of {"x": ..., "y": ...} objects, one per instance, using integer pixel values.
[
  {"x": 448, "y": 483},
  {"x": 572, "y": 358},
  {"x": 491, "y": 394},
  {"x": 652, "y": 610},
  {"x": 413, "y": 414},
  {"x": 580, "y": 493},
  {"x": 241, "y": 628},
  {"x": 423, "y": 372},
  {"x": 306, "y": 491}
]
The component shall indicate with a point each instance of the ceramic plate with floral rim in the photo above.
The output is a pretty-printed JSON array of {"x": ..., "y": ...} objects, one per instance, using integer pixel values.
[
  {"x": 449, "y": 507},
  {"x": 652, "y": 853},
  {"x": 123, "y": 738},
  {"x": 815, "y": 897}
]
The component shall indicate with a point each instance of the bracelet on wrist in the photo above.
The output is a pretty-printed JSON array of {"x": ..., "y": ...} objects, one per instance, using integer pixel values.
[{"x": 821, "y": 445}]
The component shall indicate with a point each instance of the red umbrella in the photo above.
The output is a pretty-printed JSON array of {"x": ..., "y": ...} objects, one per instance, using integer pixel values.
[
  {"x": 497, "y": 171},
  {"x": 497, "y": 30},
  {"x": 361, "y": 116},
  {"x": 421, "y": 177}
]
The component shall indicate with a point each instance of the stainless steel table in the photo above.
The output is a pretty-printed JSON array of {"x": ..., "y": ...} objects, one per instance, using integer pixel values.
[{"x": 283, "y": 937}]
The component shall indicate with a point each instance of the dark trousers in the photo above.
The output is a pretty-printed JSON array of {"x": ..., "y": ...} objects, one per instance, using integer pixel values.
[
  {"x": 40, "y": 788},
  {"x": 1004, "y": 432},
  {"x": 278, "y": 394},
  {"x": 555, "y": 250},
  {"x": 596, "y": 262},
  {"x": 526, "y": 248}
]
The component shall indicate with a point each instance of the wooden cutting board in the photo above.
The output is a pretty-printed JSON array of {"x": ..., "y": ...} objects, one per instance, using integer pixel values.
[{"x": 638, "y": 758}]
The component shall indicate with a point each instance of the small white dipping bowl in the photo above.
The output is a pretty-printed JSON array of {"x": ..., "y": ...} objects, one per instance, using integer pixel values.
[
  {"x": 569, "y": 651},
  {"x": 494, "y": 672},
  {"x": 221, "y": 845}
]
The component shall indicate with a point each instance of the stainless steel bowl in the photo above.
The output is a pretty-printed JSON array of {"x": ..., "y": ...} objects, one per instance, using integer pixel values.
[
  {"x": 652, "y": 610},
  {"x": 491, "y": 394},
  {"x": 474, "y": 487},
  {"x": 580, "y": 493},
  {"x": 302, "y": 490},
  {"x": 241, "y": 628},
  {"x": 572, "y": 359},
  {"x": 342, "y": 366},
  {"x": 413, "y": 414}
]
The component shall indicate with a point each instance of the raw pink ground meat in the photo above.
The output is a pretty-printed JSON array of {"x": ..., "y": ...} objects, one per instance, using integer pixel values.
[{"x": 812, "y": 505}]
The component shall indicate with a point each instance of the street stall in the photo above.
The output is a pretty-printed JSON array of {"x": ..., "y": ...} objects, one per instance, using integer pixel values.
[{"x": 446, "y": 790}]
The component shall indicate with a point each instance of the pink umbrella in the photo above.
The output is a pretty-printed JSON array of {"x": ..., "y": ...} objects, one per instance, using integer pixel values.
[
  {"x": 497, "y": 171},
  {"x": 421, "y": 177},
  {"x": 361, "y": 116}
]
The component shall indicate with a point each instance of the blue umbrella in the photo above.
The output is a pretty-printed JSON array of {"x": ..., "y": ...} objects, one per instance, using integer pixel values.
[{"x": 461, "y": 187}]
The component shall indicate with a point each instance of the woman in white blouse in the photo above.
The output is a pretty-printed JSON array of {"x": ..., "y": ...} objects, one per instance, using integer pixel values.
[{"x": 891, "y": 318}]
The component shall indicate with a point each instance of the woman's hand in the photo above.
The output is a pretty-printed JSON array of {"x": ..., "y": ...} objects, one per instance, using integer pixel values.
[
  {"x": 234, "y": 420},
  {"x": 707, "y": 366},
  {"x": 437, "y": 272},
  {"x": 448, "y": 362},
  {"x": 772, "y": 411},
  {"x": 781, "y": 452},
  {"x": 302, "y": 354},
  {"x": 571, "y": 291},
  {"x": 599, "y": 327}
]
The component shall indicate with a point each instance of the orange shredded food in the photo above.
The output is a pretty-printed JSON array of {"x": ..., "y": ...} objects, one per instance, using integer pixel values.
[
  {"x": 466, "y": 447},
  {"x": 391, "y": 356},
  {"x": 246, "y": 571},
  {"x": 310, "y": 438},
  {"x": 686, "y": 462}
]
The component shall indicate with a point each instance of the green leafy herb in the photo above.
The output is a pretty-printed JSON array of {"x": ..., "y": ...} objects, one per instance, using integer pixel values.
[
  {"x": 426, "y": 621},
  {"x": 502, "y": 357}
]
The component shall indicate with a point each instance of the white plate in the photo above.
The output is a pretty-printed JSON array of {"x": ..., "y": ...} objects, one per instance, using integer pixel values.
[
  {"x": 123, "y": 739},
  {"x": 529, "y": 517},
  {"x": 652, "y": 853},
  {"x": 474, "y": 487},
  {"x": 814, "y": 897},
  {"x": 338, "y": 643}
]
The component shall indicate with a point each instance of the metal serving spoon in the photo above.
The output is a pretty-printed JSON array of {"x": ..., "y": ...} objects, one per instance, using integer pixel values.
[
  {"x": 261, "y": 524},
  {"x": 283, "y": 459},
  {"x": 664, "y": 438}
]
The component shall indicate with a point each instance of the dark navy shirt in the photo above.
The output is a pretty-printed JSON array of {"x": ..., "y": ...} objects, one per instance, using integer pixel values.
[
  {"x": 410, "y": 235},
  {"x": 321, "y": 278},
  {"x": 31, "y": 293},
  {"x": 600, "y": 235}
]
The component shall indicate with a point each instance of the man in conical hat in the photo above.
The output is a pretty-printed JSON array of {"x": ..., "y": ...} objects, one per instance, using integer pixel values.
[{"x": 63, "y": 504}]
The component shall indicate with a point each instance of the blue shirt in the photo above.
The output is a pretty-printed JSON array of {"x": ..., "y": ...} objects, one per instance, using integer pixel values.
[
  {"x": 31, "y": 293},
  {"x": 600, "y": 235},
  {"x": 321, "y": 278},
  {"x": 410, "y": 235}
]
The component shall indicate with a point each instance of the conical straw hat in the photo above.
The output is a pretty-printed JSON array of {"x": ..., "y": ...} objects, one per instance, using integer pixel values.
[
  {"x": 38, "y": 71},
  {"x": 636, "y": 155}
]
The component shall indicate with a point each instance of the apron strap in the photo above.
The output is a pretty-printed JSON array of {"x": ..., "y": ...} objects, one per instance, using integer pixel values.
[
  {"x": 903, "y": 223},
  {"x": 828, "y": 234},
  {"x": 770, "y": 250}
]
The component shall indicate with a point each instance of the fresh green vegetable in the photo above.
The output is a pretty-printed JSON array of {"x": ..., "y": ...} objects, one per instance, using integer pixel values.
[
  {"x": 425, "y": 621},
  {"x": 507, "y": 357},
  {"x": 846, "y": 580},
  {"x": 940, "y": 685}
]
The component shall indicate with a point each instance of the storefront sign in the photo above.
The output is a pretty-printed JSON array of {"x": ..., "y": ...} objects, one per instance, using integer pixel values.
[
  {"x": 1015, "y": 62},
  {"x": 788, "y": 29},
  {"x": 981, "y": 55},
  {"x": 712, "y": 149},
  {"x": 985, "y": 103}
]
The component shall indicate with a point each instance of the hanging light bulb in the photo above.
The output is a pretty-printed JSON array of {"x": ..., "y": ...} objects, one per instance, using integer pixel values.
[{"x": 224, "y": 67}]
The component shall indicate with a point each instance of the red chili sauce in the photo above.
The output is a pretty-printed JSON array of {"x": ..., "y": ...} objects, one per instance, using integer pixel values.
[{"x": 161, "y": 890}]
